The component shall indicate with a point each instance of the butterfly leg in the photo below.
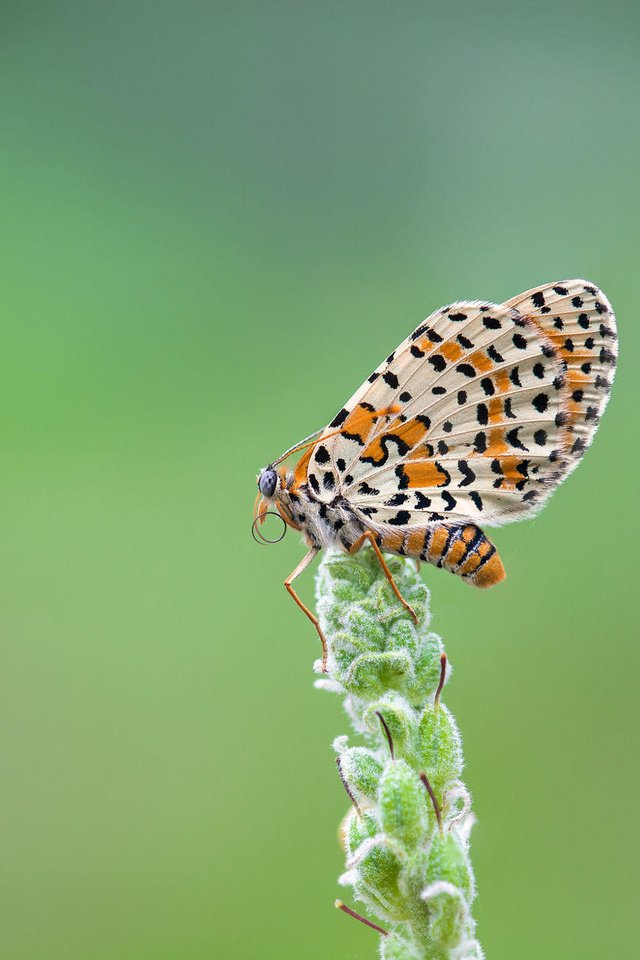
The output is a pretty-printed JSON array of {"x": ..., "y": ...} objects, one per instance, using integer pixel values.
[
  {"x": 304, "y": 563},
  {"x": 368, "y": 535}
]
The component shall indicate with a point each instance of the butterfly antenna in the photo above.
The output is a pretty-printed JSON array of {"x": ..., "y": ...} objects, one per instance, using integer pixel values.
[{"x": 357, "y": 916}]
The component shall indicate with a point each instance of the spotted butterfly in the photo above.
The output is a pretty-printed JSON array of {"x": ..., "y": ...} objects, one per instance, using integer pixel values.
[{"x": 475, "y": 419}]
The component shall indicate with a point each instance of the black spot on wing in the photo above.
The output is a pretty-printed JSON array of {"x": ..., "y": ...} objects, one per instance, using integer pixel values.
[
  {"x": 401, "y": 519},
  {"x": 438, "y": 362},
  {"x": 340, "y": 418},
  {"x": 514, "y": 440},
  {"x": 353, "y": 436},
  {"x": 467, "y": 473},
  {"x": 487, "y": 386},
  {"x": 397, "y": 500},
  {"x": 367, "y": 490}
]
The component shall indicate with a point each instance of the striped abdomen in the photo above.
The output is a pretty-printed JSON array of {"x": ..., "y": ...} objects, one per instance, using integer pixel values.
[{"x": 462, "y": 549}]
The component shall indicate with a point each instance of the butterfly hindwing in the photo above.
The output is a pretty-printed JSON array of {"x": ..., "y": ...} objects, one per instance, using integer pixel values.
[{"x": 576, "y": 317}]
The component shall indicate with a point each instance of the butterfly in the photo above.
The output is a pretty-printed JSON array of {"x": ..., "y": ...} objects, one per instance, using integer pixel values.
[{"x": 473, "y": 420}]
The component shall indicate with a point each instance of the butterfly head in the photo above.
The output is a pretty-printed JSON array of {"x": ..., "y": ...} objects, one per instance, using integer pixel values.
[{"x": 270, "y": 483}]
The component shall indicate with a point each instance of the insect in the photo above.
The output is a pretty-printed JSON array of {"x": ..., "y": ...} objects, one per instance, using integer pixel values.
[{"x": 475, "y": 419}]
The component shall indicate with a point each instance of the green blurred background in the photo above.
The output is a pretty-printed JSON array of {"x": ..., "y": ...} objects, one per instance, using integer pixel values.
[{"x": 216, "y": 220}]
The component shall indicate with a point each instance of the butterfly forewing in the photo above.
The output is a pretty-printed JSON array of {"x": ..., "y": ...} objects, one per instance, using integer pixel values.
[{"x": 478, "y": 414}]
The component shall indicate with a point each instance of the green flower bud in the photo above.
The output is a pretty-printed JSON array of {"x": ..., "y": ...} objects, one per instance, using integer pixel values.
[
  {"x": 448, "y": 861},
  {"x": 448, "y": 913},
  {"x": 376, "y": 867},
  {"x": 399, "y": 719},
  {"x": 403, "y": 804},
  {"x": 372, "y": 674},
  {"x": 360, "y": 827},
  {"x": 361, "y": 770},
  {"x": 426, "y": 668},
  {"x": 439, "y": 750}
]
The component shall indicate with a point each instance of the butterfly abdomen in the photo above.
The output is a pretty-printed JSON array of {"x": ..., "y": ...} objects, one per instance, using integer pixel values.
[{"x": 462, "y": 549}]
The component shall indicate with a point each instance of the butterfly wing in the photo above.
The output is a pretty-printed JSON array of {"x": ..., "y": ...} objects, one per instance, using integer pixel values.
[
  {"x": 576, "y": 317},
  {"x": 475, "y": 416}
]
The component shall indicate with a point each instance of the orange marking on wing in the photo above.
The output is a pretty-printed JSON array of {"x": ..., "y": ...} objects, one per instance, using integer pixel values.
[
  {"x": 424, "y": 473},
  {"x": 490, "y": 574},
  {"x": 579, "y": 357},
  {"x": 468, "y": 534},
  {"x": 502, "y": 381},
  {"x": 571, "y": 356},
  {"x": 557, "y": 338},
  {"x": 451, "y": 351},
  {"x": 497, "y": 443},
  {"x": 481, "y": 361},
  {"x": 495, "y": 410},
  {"x": 424, "y": 451},
  {"x": 576, "y": 378},
  {"x": 411, "y": 432},
  {"x": 510, "y": 474},
  {"x": 301, "y": 468},
  {"x": 359, "y": 421}
]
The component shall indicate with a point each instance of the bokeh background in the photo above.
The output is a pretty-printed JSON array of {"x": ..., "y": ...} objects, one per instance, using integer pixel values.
[{"x": 217, "y": 218}]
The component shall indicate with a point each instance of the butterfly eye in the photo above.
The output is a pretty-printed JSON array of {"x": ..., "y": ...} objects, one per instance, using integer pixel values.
[{"x": 267, "y": 482}]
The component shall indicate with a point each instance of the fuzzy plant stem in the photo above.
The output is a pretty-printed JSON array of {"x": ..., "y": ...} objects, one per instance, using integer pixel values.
[{"x": 406, "y": 834}]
